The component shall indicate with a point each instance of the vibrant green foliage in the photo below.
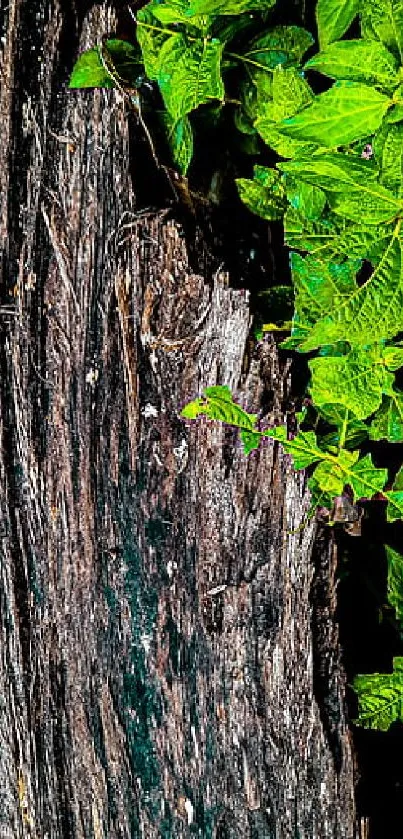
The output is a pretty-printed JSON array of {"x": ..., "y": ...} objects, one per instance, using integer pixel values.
[
  {"x": 346, "y": 112},
  {"x": 383, "y": 20},
  {"x": 360, "y": 61},
  {"x": 334, "y": 17},
  {"x": 265, "y": 194},
  {"x": 337, "y": 186},
  {"x": 380, "y": 697},
  {"x": 189, "y": 75}
]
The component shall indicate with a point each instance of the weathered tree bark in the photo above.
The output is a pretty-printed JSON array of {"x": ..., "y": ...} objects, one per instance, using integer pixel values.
[{"x": 169, "y": 655}]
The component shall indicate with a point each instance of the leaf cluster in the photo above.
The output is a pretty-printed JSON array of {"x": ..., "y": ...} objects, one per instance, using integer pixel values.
[{"x": 209, "y": 54}]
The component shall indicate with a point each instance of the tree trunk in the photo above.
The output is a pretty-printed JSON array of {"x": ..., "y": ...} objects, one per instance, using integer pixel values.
[{"x": 169, "y": 655}]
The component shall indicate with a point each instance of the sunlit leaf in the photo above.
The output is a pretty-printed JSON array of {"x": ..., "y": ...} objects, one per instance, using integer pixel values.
[
  {"x": 358, "y": 60},
  {"x": 265, "y": 194},
  {"x": 341, "y": 115},
  {"x": 356, "y": 380},
  {"x": 319, "y": 288},
  {"x": 189, "y": 75},
  {"x": 227, "y": 7},
  {"x": 392, "y": 159},
  {"x": 289, "y": 42},
  {"x": 334, "y": 18},
  {"x": 387, "y": 423},
  {"x": 375, "y": 309},
  {"x": 380, "y": 698},
  {"x": 151, "y": 39},
  {"x": 330, "y": 475},
  {"x": 383, "y": 20}
]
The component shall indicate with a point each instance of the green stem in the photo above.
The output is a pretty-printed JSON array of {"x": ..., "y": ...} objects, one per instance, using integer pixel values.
[
  {"x": 163, "y": 29},
  {"x": 249, "y": 61}
]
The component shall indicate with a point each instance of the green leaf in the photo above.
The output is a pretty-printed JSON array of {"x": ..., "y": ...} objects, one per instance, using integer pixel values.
[
  {"x": 350, "y": 182},
  {"x": 395, "y": 581},
  {"x": 394, "y": 510},
  {"x": 227, "y": 28},
  {"x": 150, "y": 39},
  {"x": 227, "y": 7},
  {"x": 334, "y": 18},
  {"x": 394, "y": 115},
  {"x": 290, "y": 93},
  {"x": 263, "y": 83},
  {"x": 333, "y": 238},
  {"x": 217, "y": 403},
  {"x": 375, "y": 309},
  {"x": 284, "y": 146},
  {"x": 264, "y": 195},
  {"x": 336, "y": 350},
  {"x": 330, "y": 475},
  {"x": 334, "y": 172},
  {"x": 393, "y": 356},
  {"x": 180, "y": 139},
  {"x": 380, "y": 697},
  {"x": 387, "y": 423},
  {"x": 249, "y": 98},
  {"x": 361, "y": 475},
  {"x": 398, "y": 482},
  {"x": 319, "y": 288},
  {"x": 365, "y": 479},
  {"x": 309, "y": 200},
  {"x": 250, "y": 440},
  {"x": 377, "y": 242},
  {"x": 307, "y": 235},
  {"x": 89, "y": 70},
  {"x": 174, "y": 11},
  {"x": 356, "y": 380},
  {"x": 189, "y": 75},
  {"x": 392, "y": 159},
  {"x": 303, "y": 448},
  {"x": 279, "y": 45},
  {"x": 341, "y": 115},
  {"x": 374, "y": 206},
  {"x": 243, "y": 123},
  {"x": 319, "y": 498},
  {"x": 383, "y": 20},
  {"x": 358, "y": 60}
]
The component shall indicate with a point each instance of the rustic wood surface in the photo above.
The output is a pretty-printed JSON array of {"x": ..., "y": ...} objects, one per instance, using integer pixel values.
[{"x": 169, "y": 657}]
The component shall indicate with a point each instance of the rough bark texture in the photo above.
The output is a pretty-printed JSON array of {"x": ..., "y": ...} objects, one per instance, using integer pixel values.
[{"x": 169, "y": 659}]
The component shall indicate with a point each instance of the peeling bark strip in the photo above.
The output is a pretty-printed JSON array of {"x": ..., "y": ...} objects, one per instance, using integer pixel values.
[{"x": 157, "y": 672}]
